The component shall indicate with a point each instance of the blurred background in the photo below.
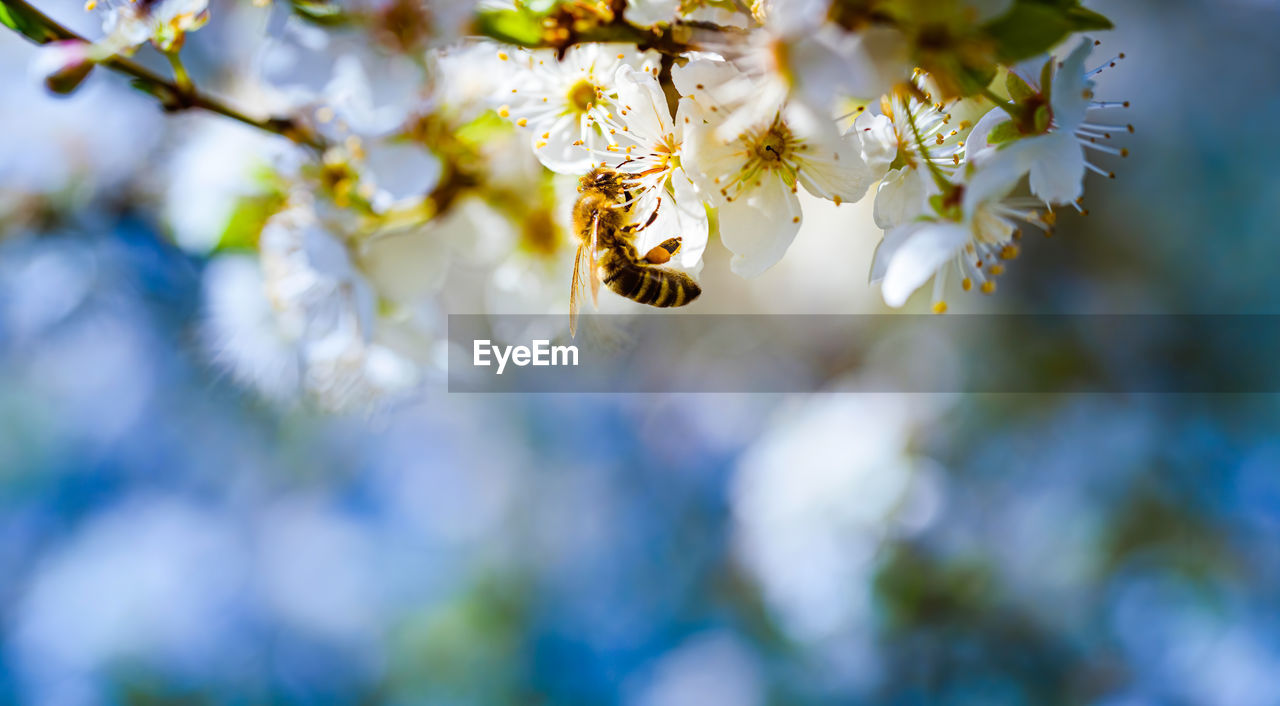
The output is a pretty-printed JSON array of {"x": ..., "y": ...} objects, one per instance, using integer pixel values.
[{"x": 168, "y": 538}]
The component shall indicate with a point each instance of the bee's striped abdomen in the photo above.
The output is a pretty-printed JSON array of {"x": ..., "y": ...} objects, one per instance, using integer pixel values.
[{"x": 655, "y": 286}]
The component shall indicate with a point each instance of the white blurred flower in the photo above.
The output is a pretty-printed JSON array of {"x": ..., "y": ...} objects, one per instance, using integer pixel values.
[
  {"x": 469, "y": 79},
  {"x": 753, "y": 177},
  {"x": 243, "y": 333},
  {"x": 48, "y": 147},
  {"x": 721, "y": 12},
  {"x": 310, "y": 278},
  {"x": 1056, "y": 159},
  {"x": 411, "y": 27},
  {"x": 316, "y": 573},
  {"x": 131, "y": 23},
  {"x": 815, "y": 497},
  {"x": 152, "y": 582},
  {"x": 209, "y": 174},
  {"x": 321, "y": 296},
  {"x": 569, "y": 106},
  {"x": 339, "y": 78},
  {"x": 707, "y": 668}
]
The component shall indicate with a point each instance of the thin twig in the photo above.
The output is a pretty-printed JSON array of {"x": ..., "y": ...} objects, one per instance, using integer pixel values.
[{"x": 173, "y": 95}]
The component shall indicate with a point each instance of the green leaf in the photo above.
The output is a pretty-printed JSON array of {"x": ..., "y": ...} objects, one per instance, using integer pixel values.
[
  {"x": 518, "y": 27},
  {"x": 1019, "y": 90},
  {"x": 246, "y": 222},
  {"x": 1085, "y": 20},
  {"x": 483, "y": 129},
  {"x": 25, "y": 20},
  {"x": 1046, "y": 78},
  {"x": 321, "y": 12},
  {"x": 1033, "y": 27}
]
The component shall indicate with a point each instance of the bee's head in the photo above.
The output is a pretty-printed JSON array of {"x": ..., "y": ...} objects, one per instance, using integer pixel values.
[{"x": 602, "y": 179}]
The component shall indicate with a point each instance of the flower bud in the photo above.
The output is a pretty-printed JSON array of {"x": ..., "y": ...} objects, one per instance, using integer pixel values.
[{"x": 63, "y": 65}]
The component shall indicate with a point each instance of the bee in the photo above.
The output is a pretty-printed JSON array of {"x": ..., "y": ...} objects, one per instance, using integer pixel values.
[{"x": 607, "y": 251}]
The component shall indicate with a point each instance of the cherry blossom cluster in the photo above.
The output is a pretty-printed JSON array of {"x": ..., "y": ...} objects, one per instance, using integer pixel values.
[{"x": 417, "y": 143}]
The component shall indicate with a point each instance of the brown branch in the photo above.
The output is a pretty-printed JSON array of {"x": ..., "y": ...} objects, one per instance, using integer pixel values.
[{"x": 172, "y": 96}]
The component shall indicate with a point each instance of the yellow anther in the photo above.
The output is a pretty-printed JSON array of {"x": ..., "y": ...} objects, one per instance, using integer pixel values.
[
  {"x": 1009, "y": 252},
  {"x": 939, "y": 307},
  {"x": 996, "y": 270},
  {"x": 966, "y": 284},
  {"x": 988, "y": 287}
]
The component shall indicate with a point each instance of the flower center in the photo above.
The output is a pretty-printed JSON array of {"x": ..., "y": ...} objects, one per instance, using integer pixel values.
[
  {"x": 668, "y": 152},
  {"x": 773, "y": 146},
  {"x": 582, "y": 96}
]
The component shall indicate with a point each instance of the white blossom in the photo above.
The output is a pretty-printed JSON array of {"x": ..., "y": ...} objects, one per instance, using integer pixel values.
[
  {"x": 913, "y": 141},
  {"x": 567, "y": 106},
  {"x": 652, "y": 148},
  {"x": 129, "y": 24},
  {"x": 243, "y": 333},
  {"x": 753, "y": 177},
  {"x": 975, "y": 243},
  {"x": 321, "y": 296},
  {"x": 1056, "y": 160}
]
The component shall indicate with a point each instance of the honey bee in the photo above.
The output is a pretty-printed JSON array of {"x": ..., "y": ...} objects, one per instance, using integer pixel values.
[{"x": 607, "y": 251}]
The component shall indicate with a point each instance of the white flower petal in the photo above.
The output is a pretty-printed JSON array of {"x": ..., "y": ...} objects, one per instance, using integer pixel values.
[
  {"x": 928, "y": 247},
  {"x": 833, "y": 168},
  {"x": 693, "y": 220},
  {"x": 557, "y": 150},
  {"x": 1069, "y": 99},
  {"x": 877, "y": 142},
  {"x": 682, "y": 214},
  {"x": 976, "y": 147},
  {"x": 759, "y": 226},
  {"x": 641, "y": 96},
  {"x": 902, "y": 197},
  {"x": 1057, "y": 170},
  {"x": 885, "y": 251}
]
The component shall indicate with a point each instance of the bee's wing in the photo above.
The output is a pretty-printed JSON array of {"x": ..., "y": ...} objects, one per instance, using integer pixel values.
[
  {"x": 577, "y": 290},
  {"x": 595, "y": 273}
]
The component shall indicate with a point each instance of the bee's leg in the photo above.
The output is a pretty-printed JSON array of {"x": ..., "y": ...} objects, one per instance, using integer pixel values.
[
  {"x": 652, "y": 216},
  {"x": 663, "y": 252}
]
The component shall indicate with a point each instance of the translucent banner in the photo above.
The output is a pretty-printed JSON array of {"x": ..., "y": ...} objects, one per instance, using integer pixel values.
[{"x": 884, "y": 353}]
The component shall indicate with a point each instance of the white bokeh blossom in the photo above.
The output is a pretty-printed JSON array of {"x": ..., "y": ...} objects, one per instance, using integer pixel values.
[{"x": 129, "y": 24}]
